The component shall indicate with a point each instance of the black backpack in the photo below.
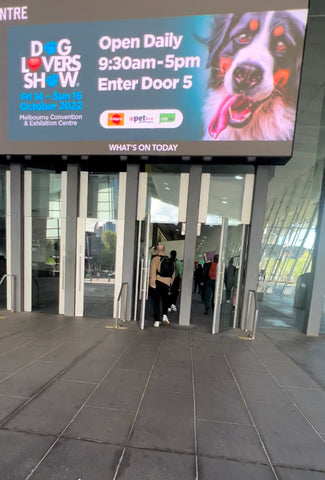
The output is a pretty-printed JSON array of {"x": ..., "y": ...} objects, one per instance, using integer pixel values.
[
  {"x": 166, "y": 267},
  {"x": 205, "y": 271}
]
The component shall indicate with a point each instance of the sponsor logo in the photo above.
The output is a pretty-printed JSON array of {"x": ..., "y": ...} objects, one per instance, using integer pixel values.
[
  {"x": 115, "y": 119},
  {"x": 141, "y": 119},
  {"x": 167, "y": 117},
  {"x": 135, "y": 119}
]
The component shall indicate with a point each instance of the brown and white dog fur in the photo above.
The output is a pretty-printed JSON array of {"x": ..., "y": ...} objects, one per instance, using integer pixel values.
[{"x": 254, "y": 61}]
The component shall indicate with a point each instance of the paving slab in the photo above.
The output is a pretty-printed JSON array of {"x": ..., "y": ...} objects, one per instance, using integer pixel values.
[
  {"x": 141, "y": 464},
  {"x": 20, "y": 452},
  {"x": 215, "y": 469},
  {"x": 77, "y": 459}
]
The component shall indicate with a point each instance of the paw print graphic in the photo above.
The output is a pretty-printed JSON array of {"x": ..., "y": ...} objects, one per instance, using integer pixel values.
[
  {"x": 50, "y": 47},
  {"x": 52, "y": 80}
]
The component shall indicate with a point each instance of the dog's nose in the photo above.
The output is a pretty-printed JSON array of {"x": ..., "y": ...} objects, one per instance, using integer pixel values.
[{"x": 246, "y": 76}]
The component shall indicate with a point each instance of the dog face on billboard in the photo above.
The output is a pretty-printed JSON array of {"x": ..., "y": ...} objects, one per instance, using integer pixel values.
[{"x": 254, "y": 61}]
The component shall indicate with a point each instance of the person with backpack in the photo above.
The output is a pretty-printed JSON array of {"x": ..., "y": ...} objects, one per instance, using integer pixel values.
[
  {"x": 161, "y": 277},
  {"x": 210, "y": 285}
]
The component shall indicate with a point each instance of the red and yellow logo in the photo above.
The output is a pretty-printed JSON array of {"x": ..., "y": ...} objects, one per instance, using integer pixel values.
[{"x": 115, "y": 119}]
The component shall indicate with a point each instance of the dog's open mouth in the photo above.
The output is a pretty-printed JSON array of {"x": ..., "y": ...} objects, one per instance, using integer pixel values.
[{"x": 235, "y": 111}]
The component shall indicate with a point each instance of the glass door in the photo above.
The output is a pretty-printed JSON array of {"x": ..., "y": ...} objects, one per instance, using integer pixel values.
[
  {"x": 43, "y": 232},
  {"x": 142, "y": 273},
  {"x": 97, "y": 245},
  {"x": 225, "y": 204},
  {"x": 225, "y": 201},
  {"x": 220, "y": 277},
  {"x": 161, "y": 213}
]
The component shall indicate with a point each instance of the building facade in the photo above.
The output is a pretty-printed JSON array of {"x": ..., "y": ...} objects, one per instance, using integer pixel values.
[{"x": 77, "y": 231}]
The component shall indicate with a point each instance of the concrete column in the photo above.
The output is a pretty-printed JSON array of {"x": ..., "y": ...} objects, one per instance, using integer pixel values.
[
  {"x": 193, "y": 202},
  {"x": 129, "y": 250},
  {"x": 17, "y": 233},
  {"x": 263, "y": 176},
  {"x": 71, "y": 238}
]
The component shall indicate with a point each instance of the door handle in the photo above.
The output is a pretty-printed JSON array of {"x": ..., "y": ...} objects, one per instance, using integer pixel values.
[{"x": 141, "y": 279}]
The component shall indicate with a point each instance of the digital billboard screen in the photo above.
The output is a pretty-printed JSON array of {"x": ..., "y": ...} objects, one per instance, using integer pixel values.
[{"x": 96, "y": 78}]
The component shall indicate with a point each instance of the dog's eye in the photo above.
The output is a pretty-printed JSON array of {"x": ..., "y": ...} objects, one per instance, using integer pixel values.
[
  {"x": 242, "y": 38},
  {"x": 280, "y": 47}
]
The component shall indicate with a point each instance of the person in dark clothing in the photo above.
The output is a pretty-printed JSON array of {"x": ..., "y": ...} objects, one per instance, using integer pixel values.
[
  {"x": 204, "y": 278},
  {"x": 159, "y": 287},
  {"x": 210, "y": 285},
  {"x": 229, "y": 279},
  {"x": 198, "y": 278},
  {"x": 176, "y": 285}
]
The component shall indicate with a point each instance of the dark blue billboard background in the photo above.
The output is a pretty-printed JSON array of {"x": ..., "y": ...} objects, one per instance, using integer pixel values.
[{"x": 62, "y": 77}]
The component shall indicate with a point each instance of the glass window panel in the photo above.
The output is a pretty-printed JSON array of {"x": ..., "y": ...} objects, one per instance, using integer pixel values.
[
  {"x": 46, "y": 235},
  {"x": 163, "y": 197},
  {"x": 100, "y": 245},
  {"x": 102, "y": 196},
  {"x": 287, "y": 252},
  {"x": 225, "y": 199},
  {"x": 46, "y": 198}
]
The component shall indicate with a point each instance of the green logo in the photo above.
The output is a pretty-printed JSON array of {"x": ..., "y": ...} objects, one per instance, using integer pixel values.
[{"x": 167, "y": 117}]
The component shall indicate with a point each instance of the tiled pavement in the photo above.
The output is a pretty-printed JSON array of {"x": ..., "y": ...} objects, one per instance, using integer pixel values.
[{"x": 82, "y": 401}]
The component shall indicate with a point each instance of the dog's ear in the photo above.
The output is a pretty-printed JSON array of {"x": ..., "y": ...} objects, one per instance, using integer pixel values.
[
  {"x": 219, "y": 36},
  {"x": 300, "y": 38},
  {"x": 297, "y": 34}
]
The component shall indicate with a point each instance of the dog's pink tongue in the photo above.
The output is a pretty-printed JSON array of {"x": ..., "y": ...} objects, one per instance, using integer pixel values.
[{"x": 220, "y": 120}]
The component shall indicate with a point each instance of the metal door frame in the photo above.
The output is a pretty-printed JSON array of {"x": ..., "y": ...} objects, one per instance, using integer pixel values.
[
  {"x": 142, "y": 272},
  {"x": 218, "y": 293},
  {"x": 80, "y": 250},
  {"x": 144, "y": 277}
]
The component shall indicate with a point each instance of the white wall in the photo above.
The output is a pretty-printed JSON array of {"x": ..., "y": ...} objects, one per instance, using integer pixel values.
[{"x": 177, "y": 245}]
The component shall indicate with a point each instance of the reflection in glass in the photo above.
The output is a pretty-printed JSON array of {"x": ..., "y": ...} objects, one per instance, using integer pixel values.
[
  {"x": 163, "y": 197},
  {"x": 46, "y": 235},
  {"x": 100, "y": 245},
  {"x": 287, "y": 253}
]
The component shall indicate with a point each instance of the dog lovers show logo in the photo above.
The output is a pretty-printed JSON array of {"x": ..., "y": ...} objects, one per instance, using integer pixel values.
[{"x": 50, "y": 65}]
